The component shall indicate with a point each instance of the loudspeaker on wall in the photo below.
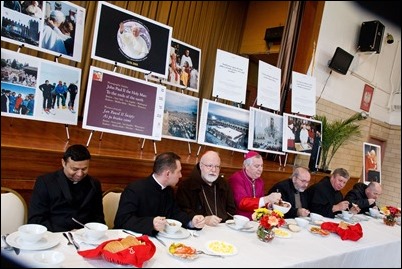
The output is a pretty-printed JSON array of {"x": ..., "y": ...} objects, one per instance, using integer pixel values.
[{"x": 371, "y": 34}]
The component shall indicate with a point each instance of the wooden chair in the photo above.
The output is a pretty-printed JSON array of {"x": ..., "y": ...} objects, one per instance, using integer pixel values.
[
  {"x": 14, "y": 210},
  {"x": 110, "y": 201}
]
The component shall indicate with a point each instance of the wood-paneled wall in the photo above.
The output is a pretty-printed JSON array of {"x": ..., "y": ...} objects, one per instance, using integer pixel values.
[{"x": 31, "y": 148}]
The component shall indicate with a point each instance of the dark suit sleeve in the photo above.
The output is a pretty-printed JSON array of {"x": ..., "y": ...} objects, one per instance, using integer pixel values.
[{"x": 39, "y": 206}]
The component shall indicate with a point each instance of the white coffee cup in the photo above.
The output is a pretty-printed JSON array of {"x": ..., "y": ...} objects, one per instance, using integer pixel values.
[
  {"x": 240, "y": 221},
  {"x": 374, "y": 212}
]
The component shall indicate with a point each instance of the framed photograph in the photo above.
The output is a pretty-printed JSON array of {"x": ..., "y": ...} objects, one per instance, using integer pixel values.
[
  {"x": 367, "y": 97},
  {"x": 124, "y": 105},
  {"x": 265, "y": 131},
  {"x": 184, "y": 67},
  {"x": 371, "y": 163},
  {"x": 224, "y": 126},
  {"x": 127, "y": 39},
  {"x": 299, "y": 134},
  {"x": 180, "y": 117},
  {"x": 54, "y": 27},
  {"x": 37, "y": 89}
]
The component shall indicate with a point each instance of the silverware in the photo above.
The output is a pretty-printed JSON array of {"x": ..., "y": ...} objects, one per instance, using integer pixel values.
[
  {"x": 8, "y": 246},
  {"x": 160, "y": 240},
  {"x": 73, "y": 241},
  {"x": 80, "y": 223},
  {"x": 68, "y": 239},
  {"x": 214, "y": 255},
  {"x": 230, "y": 214}
]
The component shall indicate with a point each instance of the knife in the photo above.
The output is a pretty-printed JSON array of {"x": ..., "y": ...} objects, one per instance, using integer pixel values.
[
  {"x": 73, "y": 241},
  {"x": 160, "y": 240}
]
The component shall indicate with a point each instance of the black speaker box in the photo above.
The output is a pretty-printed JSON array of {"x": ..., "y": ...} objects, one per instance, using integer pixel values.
[
  {"x": 274, "y": 34},
  {"x": 371, "y": 34}
]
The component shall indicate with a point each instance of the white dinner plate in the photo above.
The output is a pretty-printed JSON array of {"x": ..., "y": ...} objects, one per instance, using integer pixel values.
[
  {"x": 180, "y": 234},
  {"x": 221, "y": 248},
  {"x": 49, "y": 240},
  {"x": 282, "y": 233},
  {"x": 249, "y": 227},
  {"x": 82, "y": 238}
]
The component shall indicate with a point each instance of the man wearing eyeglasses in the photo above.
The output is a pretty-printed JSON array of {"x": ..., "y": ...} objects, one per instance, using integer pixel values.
[
  {"x": 292, "y": 190},
  {"x": 205, "y": 192}
]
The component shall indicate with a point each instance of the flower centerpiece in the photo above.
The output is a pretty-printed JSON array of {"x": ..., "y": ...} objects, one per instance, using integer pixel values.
[
  {"x": 268, "y": 220},
  {"x": 391, "y": 213}
]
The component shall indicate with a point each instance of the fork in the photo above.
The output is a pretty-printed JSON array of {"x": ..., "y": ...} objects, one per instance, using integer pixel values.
[{"x": 214, "y": 255}]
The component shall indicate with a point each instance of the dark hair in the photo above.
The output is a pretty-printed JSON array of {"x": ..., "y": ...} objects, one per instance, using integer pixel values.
[
  {"x": 341, "y": 172},
  {"x": 165, "y": 161},
  {"x": 77, "y": 153}
]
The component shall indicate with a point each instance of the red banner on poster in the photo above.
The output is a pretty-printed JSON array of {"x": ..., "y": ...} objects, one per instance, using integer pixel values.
[{"x": 366, "y": 98}]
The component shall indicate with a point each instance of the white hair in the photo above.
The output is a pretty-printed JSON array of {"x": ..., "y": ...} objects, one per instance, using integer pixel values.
[{"x": 57, "y": 16}]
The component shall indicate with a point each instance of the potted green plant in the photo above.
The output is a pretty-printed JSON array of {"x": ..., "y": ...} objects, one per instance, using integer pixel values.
[{"x": 335, "y": 134}]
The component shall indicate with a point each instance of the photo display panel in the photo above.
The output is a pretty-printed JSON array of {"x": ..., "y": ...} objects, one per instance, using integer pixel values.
[
  {"x": 54, "y": 27},
  {"x": 123, "y": 105},
  {"x": 135, "y": 42},
  {"x": 36, "y": 89},
  {"x": 224, "y": 126}
]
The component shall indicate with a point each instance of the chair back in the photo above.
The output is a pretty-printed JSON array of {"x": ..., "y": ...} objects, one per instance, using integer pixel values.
[
  {"x": 110, "y": 202},
  {"x": 14, "y": 210}
]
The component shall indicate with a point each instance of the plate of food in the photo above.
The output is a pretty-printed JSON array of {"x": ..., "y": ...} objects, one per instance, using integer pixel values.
[
  {"x": 182, "y": 251},
  {"x": 282, "y": 233},
  {"x": 319, "y": 231},
  {"x": 221, "y": 248}
]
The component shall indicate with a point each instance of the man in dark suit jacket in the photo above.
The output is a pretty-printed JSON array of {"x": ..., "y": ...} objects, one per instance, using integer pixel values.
[
  {"x": 67, "y": 193},
  {"x": 292, "y": 187}
]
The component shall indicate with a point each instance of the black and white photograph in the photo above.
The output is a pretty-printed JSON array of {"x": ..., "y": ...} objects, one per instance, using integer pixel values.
[
  {"x": 224, "y": 126},
  {"x": 130, "y": 40},
  {"x": 300, "y": 134},
  {"x": 184, "y": 67},
  {"x": 180, "y": 117},
  {"x": 265, "y": 132},
  {"x": 54, "y": 27}
]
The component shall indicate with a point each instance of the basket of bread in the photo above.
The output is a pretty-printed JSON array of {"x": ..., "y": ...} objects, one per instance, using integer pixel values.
[
  {"x": 345, "y": 230},
  {"x": 129, "y": 250}
]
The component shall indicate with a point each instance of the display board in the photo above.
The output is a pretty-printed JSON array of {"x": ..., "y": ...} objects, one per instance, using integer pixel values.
[{"x": 124, "y": 105}]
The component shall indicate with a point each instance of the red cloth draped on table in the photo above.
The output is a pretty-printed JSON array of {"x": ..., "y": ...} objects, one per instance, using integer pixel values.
[
  {"x": 346, "y": 232},
  {"x": 135, "y": 255}
]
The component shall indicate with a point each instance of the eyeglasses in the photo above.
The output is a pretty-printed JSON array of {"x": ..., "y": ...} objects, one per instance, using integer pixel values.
[
  {"x": 210, "y": 166},
  {"x": 304, "y": 181}
]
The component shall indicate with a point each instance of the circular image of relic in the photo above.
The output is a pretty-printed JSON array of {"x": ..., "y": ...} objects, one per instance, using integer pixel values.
[{"x": 133, "y": 39}]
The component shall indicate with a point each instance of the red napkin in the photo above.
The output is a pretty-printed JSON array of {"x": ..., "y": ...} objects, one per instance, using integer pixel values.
[
  {"x": 352, "y": 232},
  {"x": 135, "y": 255}
]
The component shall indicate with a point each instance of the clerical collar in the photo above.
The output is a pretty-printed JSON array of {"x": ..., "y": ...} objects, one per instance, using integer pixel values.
[{"x": 162, "y": 187}]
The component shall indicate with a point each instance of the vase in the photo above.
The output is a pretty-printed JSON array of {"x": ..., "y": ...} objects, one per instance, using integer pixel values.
[
  {"x": 265, "y": 235},
  {"x": 390, "y": 222}
]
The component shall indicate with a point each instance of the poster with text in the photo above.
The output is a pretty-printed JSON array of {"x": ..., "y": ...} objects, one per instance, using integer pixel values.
[
  {"x": 54, "y": 27},
  {"x": 300, "y": 134},
  {"x": 230, "y": 77},
  {"x": 180, "y": 117},
  {"x": 184, "y": 67},
  {"x": 37, "y": 89},
  {"x": 303, "y": 94},
  {"x": 123, "y": 105},
  {"x": 224, "y": 126},
  {"x": 371, "y": 163},
  {"x": 265, "y": 131},
  {"x": 269, "y": 86},
  {"x": 124, "y": 38}
]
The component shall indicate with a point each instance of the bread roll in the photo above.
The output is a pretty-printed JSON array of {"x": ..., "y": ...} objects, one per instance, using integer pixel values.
[
  {"x": 114, "y": 246},
  {"x": 130, "y": 241}
]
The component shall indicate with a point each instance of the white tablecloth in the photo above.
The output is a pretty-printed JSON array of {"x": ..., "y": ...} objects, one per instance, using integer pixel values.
[{"x": 380, "y": 246}]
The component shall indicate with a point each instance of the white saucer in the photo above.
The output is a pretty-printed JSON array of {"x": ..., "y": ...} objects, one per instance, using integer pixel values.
[
  {"x": 249, "y": 227},
  {"x": 82, "y": 238},
  {"x": 49, "y": 240},
  {"x": 180, "y": 234}
]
